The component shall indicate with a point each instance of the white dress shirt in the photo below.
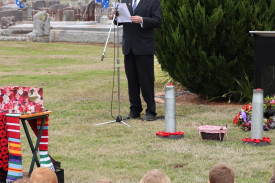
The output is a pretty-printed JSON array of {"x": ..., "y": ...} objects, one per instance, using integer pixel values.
[{"x": 133, "y": 1}]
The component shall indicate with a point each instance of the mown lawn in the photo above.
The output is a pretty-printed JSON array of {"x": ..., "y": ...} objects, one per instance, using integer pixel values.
[{"x": 78, "y": 90}]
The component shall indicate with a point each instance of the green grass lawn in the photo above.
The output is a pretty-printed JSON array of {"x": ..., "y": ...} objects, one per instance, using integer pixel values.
[{"x": 77, "y": 89}]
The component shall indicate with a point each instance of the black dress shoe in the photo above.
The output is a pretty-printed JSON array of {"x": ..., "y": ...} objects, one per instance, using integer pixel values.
[
  {"x": 132, "y": 115},
  {"x": 149, "y": 117}
]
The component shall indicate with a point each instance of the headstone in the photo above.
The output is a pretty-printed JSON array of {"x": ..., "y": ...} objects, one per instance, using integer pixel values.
[
  {"x": 51, "y": 3},
  {"x": 68, "y": 15},
  {"x": 56, "y": 7},
  {"x": 29, "y": 9},
  {"x": 103, "y": 19},
  {"x": 59, "y": 15},
  {"x": 38, "y": 5},
  {"x": 7, "y": 21},
  {"x": 41, "y": 27},
  {"x": 18, "y": 14},
  {"x": 91, "y": 7}
]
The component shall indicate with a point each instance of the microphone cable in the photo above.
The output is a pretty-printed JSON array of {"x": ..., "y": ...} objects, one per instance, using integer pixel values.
[{"x": 114, "y": 72}]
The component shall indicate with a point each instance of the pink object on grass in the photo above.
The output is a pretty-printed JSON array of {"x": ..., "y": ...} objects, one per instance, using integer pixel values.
[{"x": 213, "y": 129}]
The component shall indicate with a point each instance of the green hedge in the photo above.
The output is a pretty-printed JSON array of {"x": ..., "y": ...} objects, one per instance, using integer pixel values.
[{"x": 205, "y": 44}]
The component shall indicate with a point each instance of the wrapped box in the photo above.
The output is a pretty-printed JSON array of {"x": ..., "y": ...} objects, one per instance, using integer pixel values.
[
  {"x": 212, "y": 132},
  {"x": 23, "y": 100}
]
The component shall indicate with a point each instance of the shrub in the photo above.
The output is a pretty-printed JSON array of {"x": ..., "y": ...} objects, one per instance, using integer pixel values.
[{"x": 205, "y": 44}]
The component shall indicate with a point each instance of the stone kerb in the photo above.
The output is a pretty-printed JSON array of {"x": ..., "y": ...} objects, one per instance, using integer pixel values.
[
  {"x": 41, "y": 28},
  {"x": 17, "y": 14}
]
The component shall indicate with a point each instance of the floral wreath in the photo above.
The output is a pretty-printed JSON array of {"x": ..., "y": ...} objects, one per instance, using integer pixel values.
[
  {"x": 243, "y": 118},
  {"x": 257, "y": 141},
  {"x": 167, "y": 134}
]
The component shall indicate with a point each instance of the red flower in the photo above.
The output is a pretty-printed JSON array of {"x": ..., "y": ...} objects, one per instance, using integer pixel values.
[
  {"x": 6, "y": 158},
  {"x": 21, "y": 109},
  {"x": 236, "y": 119},
  {"x": 0, "y": 156},
  {"x": 4, "y": 150},
  {"x": 2, "y": 125},
  {"x": 179, "y": 133},
  {"x": 1, "y": 164},
  {"x": 5, "y": 167},
  {"x": 246, "y": 139},
  {"x": 166, "y": 134},
  {"x": 257, "y": 141},
  {"x": 247, "y": 107},
  {"x": 264, "y": 139},
  {"x": 4, "y": 142},
  {"x": 272, "y": 102},
  {"x": 3, "y": 134}
]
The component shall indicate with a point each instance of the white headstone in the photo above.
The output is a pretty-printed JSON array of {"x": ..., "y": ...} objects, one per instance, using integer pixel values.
[{"x": 41, "y": 24}]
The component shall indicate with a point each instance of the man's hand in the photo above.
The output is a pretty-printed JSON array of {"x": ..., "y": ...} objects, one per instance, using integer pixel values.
[{"x": 136, "y": 19}]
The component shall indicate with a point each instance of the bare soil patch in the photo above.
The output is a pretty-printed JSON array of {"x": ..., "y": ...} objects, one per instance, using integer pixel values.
[{"x": 184, "y": 96}]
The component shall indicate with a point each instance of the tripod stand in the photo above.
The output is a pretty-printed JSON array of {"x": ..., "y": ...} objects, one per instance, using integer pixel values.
[{"x": 116, "y": 48}]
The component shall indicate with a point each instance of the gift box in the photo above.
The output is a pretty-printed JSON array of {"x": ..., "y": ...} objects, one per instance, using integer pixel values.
[
  {"x": 23, "y": 100},
  {"x": 212, "y": 132}
]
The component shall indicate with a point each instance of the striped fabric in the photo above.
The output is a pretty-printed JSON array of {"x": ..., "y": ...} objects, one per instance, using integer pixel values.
[
  {"x": 15, "y": 159},
  {"x": 45, "y": 160}
]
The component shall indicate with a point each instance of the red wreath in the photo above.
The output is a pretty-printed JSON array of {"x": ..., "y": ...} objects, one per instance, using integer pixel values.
[
  {"x": 4, "y": 150},
  {"x": 167, "y": 134},
  {"x": 2, "y": 125},
  {"x": 4, "y": 142},
  {"x": 6, "y": 167},
  {"x": 1, "y": 164},
  {"x": 3, "y": 133},
  {"x": 6, "y": 158},
  {"x": 264, "y": 139}
]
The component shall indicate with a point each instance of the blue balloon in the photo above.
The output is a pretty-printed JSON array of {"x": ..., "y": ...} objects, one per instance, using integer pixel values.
[{"x": 18, "y": 3}]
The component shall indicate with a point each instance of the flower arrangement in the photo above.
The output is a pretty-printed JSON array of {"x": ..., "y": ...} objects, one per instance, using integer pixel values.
[{"x": 243, "y": 118}]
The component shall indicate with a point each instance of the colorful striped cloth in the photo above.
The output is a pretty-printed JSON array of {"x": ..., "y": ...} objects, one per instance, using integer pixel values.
[
  {"x": 45, "y": 160},
  {"x": 15, "y": 159}
]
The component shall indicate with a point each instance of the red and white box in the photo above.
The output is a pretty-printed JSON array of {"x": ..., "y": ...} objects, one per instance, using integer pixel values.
[{"x": 22, "y": 100}]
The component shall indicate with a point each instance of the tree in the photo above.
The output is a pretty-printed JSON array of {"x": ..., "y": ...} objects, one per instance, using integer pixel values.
[{"x": 205, "y": 44}]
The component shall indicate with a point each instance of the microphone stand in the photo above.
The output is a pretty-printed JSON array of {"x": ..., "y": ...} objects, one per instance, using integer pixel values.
[{"x": 118, "y": 118}]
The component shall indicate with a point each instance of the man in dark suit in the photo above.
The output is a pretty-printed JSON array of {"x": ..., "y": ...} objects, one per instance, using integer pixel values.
[{"x": 138, "y": 46}]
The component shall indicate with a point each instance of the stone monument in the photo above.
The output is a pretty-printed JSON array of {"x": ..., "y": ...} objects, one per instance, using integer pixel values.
[
  {"x": 41, "y": 28},
  {"x": 7, "y": 21}
]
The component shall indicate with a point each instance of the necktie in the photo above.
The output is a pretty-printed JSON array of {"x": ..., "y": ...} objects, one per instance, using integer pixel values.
[{"x": 134, "y": 5}]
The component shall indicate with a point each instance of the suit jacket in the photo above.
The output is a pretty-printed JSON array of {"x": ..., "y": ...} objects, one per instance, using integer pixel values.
[{"x": 142, "y": 39}]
